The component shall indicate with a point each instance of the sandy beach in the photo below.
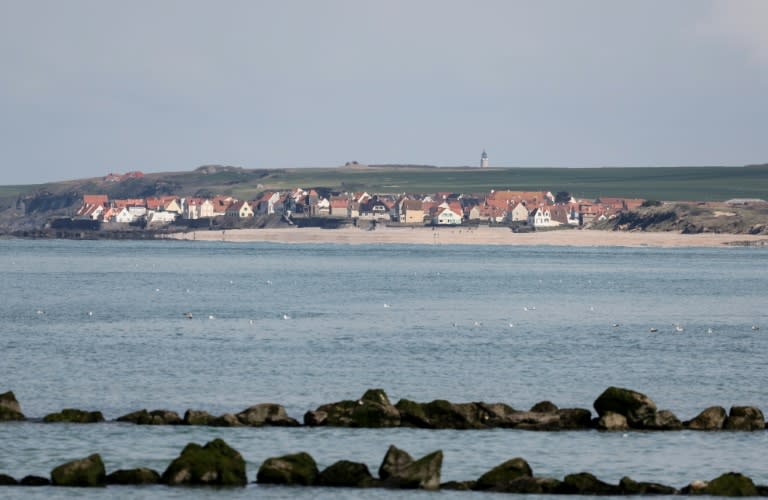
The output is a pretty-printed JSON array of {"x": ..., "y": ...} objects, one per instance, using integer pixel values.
[{"x": 471, "y": 236}]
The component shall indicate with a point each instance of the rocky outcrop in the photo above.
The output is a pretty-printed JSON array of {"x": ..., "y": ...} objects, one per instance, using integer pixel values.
[
  {"x": 197, "y": 417},
  {"x": 711, "y": 419},
  {"x": 6, "y": 480},
  {"x": 500, "y": 477},
  {"x": 585, "y": 483},
  {"x": 134, "y": 476},
  {"x": 154, "y": 417},
  {"x": 295, "y": 469},
  {"x": 75, "y": 416},
  {"x": 634, "y": 406},
  {"x": 86, "y": 472},
  {"x": 266, "y": 414},
  {"x": 10, "y": 409},
  {"x": 745, "y": 418},
  {"x": 630, "y": 487},
  {"x": 215, "y": 464},
  {"x": 34, "y": 481},
  {"x": 346, "y": 474},
  {"x": 373, "y": 409},
  {"x": 399, "y": 470},
  {"x": 442, "y": 414}
]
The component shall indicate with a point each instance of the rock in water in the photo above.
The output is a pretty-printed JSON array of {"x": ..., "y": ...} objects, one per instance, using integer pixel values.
[
  {"x": 397, "y": 471},
  {"x": 498, "y": 478},
  {"x": 197, "y": 417},
  {"x": 663, "y": 420},
  {"x": 266, "y": 414},
  {"x": 215, "y": 464},
  {"x": 745, "y": 418},
  {"x": 630, "y": 487},
  {"x": 84, "y": 472},
  {"x": 711, "y": 419},
  {"x": 10, "y": 409},
  {"x": 34, "y": 481},
  {"x": 611, "y": 421},
  {"x": 634, "y": 406},
  {"x": 298, "y": 468},
  {"x": 134, "y": 476},
  {"x": 346, "y": 473},
  {"x": 544, "y": 407},
  {"x": 373, "y": 409},
  {"x": 75, "y": 416},
  {"x": 585, "y": 483},
  {"x": 154, "y": 417},
  {"x": 6, "y": 480},
  {"x": 731, "y": 484}
]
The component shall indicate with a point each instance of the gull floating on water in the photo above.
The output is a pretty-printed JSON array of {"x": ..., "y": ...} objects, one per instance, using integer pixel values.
[
  {"x": 40, "y": 311},
  {"x": 679, "y": 328},
  {"x": 709, "y": 330},
  {"x": 616, "y": 325},
  {"x": 90, "y": 313},
  {"x": 511, "y": 325},
  {"x": 211, "y": 316},
  {"x": 653, "y": 330},
  {"x": 478, "y": 323},
  {"x": 755, "y": 328},
  {"x": 188, "y": 315},
  {"x": 387, "y": 306},
  {"x": 285, "y": 316}
]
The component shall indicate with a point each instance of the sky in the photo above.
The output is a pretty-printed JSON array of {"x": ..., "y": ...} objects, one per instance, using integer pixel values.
[{"x": 89, "y": 87}]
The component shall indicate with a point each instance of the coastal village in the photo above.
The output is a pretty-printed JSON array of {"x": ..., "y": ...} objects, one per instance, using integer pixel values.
[{"x": 532, "y": 209}]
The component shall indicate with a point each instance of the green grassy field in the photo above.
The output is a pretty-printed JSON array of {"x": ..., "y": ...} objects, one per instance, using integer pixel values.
[{"x": 659, "y": 183}]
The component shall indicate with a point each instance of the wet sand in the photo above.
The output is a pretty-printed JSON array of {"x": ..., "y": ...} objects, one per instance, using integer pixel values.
[{"x": 474, "y": 236}]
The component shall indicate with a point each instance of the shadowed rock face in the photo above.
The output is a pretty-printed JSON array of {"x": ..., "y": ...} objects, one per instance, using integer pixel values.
[
  {"x": 630, "y": 487},
  {"x": 34, "y": 481},
  {"x": 346, "y": 474},
  {"x": 500, "y": 477},
  {"x": 154, "y": 417},
  {"x": 371, "y": 410},
  {"x": 585, "y": 483},
  {"x": 84, "y": 472},
  {"x": 10, "y": 409},
  {"x": 611, "y": 421},
  {"x": 711, "y": 419},
  {"x": 399, "y": 470},
  {"x": 75, "y": 416},
  {"x": 266, "y": 414},
  {"x": 6, "y": 480},
  {"x": 134, "y": 476},
  {"x": 731, "y": 484},
  {"x": 215, "y": 464},
  {"x": 197, "y": 417},
  {"x": 295, "y": 469}
]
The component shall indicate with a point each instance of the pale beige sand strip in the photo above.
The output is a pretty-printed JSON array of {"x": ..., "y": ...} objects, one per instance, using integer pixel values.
[{"x": 465, "y": 236}]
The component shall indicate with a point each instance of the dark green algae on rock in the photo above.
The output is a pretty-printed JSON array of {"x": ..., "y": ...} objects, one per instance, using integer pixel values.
[
  {"x": 85, "y": 472},
  {"x": 215, "y": 464},
  {"x": 10, "y": 409},
  {"x": 294, "y": 469},
  {"x": 74, "y": 416}
]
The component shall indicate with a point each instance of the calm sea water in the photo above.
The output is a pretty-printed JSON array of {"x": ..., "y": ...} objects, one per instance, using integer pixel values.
[{"x": 101, "y": 326}]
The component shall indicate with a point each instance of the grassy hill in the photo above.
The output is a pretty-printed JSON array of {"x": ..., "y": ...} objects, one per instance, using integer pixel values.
[{"x": 659, "y": 183}]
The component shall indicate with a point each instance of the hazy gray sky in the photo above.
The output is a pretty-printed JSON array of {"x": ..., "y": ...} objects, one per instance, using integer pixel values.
[{"x": 90, "y": 87}]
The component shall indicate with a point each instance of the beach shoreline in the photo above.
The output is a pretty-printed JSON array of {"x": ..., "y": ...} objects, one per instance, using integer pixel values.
[{"x": 472, "y": 236}]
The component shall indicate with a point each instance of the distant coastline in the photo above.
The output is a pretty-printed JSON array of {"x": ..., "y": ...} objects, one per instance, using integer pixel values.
[{"x": 481, "y": 235}]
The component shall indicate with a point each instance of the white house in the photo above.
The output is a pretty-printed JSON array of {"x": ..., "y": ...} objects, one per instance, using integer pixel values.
[
  {"x": 154, "y": 217},
  {"x": 541, "y": 217},
  {"x": 446, "y": 216},
  {"x": 126, "y": 215},
  {"x": 517, "y": 214}
]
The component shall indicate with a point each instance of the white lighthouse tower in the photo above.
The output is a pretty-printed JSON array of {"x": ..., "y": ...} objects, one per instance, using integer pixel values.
[{"x": 484, "y": 160}]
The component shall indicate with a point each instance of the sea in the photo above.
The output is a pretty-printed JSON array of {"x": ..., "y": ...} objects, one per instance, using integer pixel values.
[{"x": 103, "y": 325}]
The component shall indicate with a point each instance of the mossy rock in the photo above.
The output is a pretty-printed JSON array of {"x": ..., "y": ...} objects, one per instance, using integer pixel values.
[
  {"x": 628, "y": 486},
  {"x": 215, "y": 464},
  {"x": 75, "y": 416},
  {"x": 346, "y": 474},
  {"x": 197, "y": 417},
  {"x": 154, "y": 417},
  {"x": 745, "y": 418},
  {"x": 394, "y": 460},
  {"x": 499, "y": 477},
  {"x": 34, "y": 481},
  {"x": 85, "y": 472},
  {"x": 412, "y": 414},
  {"x": 298, "y": 468},
  {"x": 711, "y": 419},
  {"x": 134, "y": 476},
  {"x": 633, "y": 405},
  {"x": 585, "y": 483},
  {"x": 397, "y": 472},
  {"x": 544, "y": 407},
  {"x": 731, "y": 484},
  {"x": 372, "y": 410}
]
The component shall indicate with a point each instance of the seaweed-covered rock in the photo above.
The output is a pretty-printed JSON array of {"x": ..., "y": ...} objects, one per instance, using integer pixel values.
[
  {"x": 197, "y": 417},
  {"x": 6, "y": 480},
  {"x": 628, "y": 486},
  {"x": 266, "y": 414},
  {"x": 154, "y": 417},
  {"x": 458, "y": 485},
  {"x": 88, "y": 471},
  {"x": 533, "y": 485},
  {"x": 634, "y": 406},
  {"x": 399, "y": 470},
  {"x": 141, "y": 475},
  {"x": 711, "y": 419},
  {"x": 215, "y": 464},
  {"x": 745, "y": 418},
  {"x": 315, "y": 418},
  {"x": 731, "y": 484},
  {"x": 75, "y": 416},
  {"x": 298, "y": 468},
  {"x": 585, "y": 483},
  {"x": 10, "y": 409},
  {"x": 34, "y": 481},
  {"x": 373, "y": 409},
  {"x": 498, "y": 478},
  {"x": 346, "y": 473},
  {"x": 611, "y": 421},
  {"x": 663, "y": 420}
]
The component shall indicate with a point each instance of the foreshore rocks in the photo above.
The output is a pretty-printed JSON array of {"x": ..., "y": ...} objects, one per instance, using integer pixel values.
[
  {"x": 618, "y": 409},
  {"x": 75, "y": 416},
  {"x": 294, "y": 469},
  {"x": 215, "y": 464},
  {"x": 141, "y": 475},
  {"x": 86, "y": 472},
  {"x": 400, "y": 470},
  {"x": 10, "y": 409}
]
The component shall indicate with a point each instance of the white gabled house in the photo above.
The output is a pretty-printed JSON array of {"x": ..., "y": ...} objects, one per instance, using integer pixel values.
[
  {"x": 517, "y": 214},
  {"x": 158, "y": 217},
  {"x": 541, "y": 217},
  {"x": 446, "y": 216}
]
